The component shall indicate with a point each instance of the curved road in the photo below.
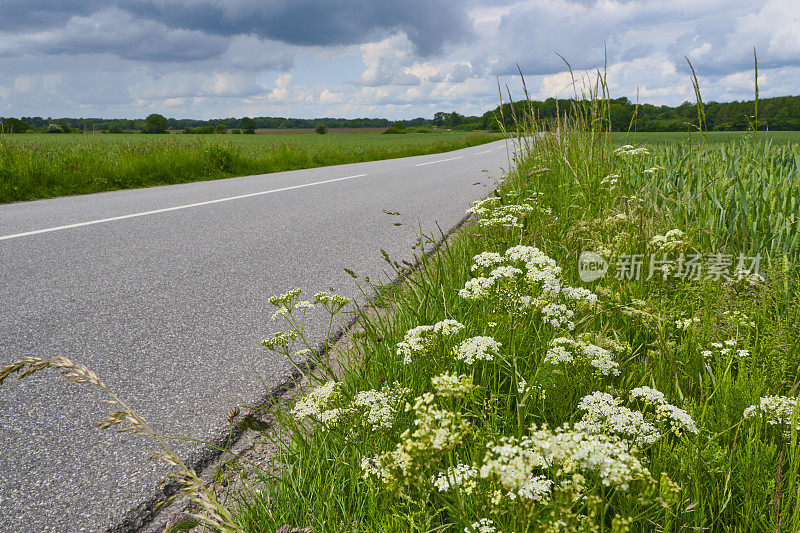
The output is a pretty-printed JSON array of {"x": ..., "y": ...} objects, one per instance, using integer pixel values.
[{"x": 163, "y": 292}]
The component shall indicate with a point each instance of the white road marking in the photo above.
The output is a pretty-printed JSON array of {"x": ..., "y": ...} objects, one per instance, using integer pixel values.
[
  {"x": 486, "y": 152},
  {"x": 176, "y": 208},
  {"x": 439, "y": 161}
]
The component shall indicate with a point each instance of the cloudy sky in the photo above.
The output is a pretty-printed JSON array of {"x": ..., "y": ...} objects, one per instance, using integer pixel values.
[{"x": 377, "y": 58}]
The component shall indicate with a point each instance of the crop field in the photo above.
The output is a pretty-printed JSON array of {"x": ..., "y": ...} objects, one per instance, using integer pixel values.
[
  {"x": 36, "y": 166},
  {"x": 775, "y": 137}
]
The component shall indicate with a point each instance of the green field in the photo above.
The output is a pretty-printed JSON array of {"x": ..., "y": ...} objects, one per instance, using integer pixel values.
[
  {"x": 654, "y": 137},
  {"x": 36, "y": 166}
]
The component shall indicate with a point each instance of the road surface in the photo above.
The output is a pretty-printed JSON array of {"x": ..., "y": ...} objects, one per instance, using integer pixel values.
[{"x": 163, "y": 292}]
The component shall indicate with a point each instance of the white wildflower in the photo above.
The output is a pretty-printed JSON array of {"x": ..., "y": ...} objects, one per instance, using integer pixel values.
[
  {"x": 380, "y": 406},
  {"x": 477, "y": 349},
  {"x": 607, "y": 455},
  {"x": 513, "y": 462},
  {"x": 486, "y": 260},
  {"x": 448, "y": 327},
  {"x": 680, "y": 419},
  {"x": 776, "y": 410},
  {"x": 558, "y": 315},
  {"x": 451, "y": 385},
  {"x": 649, "y": 395},
  {"x": 604, "y": 414},
  {"x": 460, "y": 477},
  {"x": 484, "y": 525},
  {"x": 282, "y": 311}
]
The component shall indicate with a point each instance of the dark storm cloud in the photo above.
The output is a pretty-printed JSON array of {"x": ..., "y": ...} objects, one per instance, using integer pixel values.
[
  {"x": 22, "y": 15},
  {"x": 429, "y": 25}
]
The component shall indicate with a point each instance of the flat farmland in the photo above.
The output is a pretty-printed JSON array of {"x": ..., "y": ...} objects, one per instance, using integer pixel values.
[
  {"x": 714, "y": 137},
  {"x": 34, "y": 166}
]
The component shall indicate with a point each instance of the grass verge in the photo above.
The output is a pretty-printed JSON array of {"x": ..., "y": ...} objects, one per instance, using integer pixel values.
[
  {"x": 501, "y": 393},
  {"x": 42, "y": 166}
]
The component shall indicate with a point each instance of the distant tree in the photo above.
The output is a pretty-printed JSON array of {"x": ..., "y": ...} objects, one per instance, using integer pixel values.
[
  {"x": 155, "y": 124},
  {"x": 115, "y": 128},
  {"x": 53, "y": 128},
  {"x": 236, "y": 131},
  {"x": 438, "y": 118},
  {"x": 397, "y": 127},
  {"x": 247, "y": 123},
  {"x": 321, "y": 129},
  {"x": 220, "y": 128},
  {"x": 13, "y": 125}
]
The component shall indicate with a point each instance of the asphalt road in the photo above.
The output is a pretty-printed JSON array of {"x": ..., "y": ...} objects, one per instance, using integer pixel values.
[{"x": 163, "y": 292}]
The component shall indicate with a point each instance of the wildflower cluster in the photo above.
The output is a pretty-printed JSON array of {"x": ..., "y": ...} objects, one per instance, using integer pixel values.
[
  {"x": 523, "y": 280},
  {"x": 318, "y": 403},
  {"x": 452, "y": 385},
  {"x": 514, "y": 464},
  {"x": 776, "y": 411},
  {"x": 373, "y": 409},
  {"x": 628, "y": 149},
  {"x": 582, "y": 352},
  {"x": 460, "y": 477},
  {"x": 568, "y": 450},
  {"x": 421, "y": 340},
  {"x": 724, "y": 350},
  {"x": 477, "y": 349},
  {"x": 492, "y": 213},
  {"x": 434, "y": 431},
  {"x": 604, "y": 414},
  {"x": 378, "y": 408},
  {"x": 484, "y": 525},
  {"x": 679, "y": 421},
  {"x": 669, "y": 242},
  {"x": 281, "y": 341}
]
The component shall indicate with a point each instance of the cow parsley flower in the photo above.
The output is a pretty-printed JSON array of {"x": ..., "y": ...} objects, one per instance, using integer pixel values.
[
  {"x": 380, "y": 406},
  {"x": 477, "y": 349},
  {"x": 460, "y": 477},
  {"x": 477, "y": 288},
  {"x": 680, "y": 420},
  {"x": 315, "y": 402},
  {"x": 484, "y": 525},
  {"x": 627, "y": 150},
  {"x": 558, "y": 315},
  {"x": 486, "y": 260},
  {"x": 512, "y": 463},
  {"x": 286, "y": 299},
  {"x": 648, "y": 395},
  {"x": 776, "y": 410},
  {"x": 607, "y": 455},
  {"x": 448, "y": 327},
  {"x": 564, "y": 350},
  {"x": 604, "y": 414},
  {"x": 419, "y": 340},
  {"x": 452, "y": 385}
]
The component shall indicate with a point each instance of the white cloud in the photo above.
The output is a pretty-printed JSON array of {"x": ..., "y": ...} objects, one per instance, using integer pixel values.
[
  {"x": 329, "y": 97},
  {"x": 281, "y": 91},
  {"x": 386, "y": 62}
]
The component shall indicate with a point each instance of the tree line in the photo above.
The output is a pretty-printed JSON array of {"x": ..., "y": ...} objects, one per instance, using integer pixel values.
[{"x": 780, "y": 113}]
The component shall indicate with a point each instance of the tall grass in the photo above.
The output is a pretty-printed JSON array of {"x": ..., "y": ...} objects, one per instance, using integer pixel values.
[{"x": 40, "y": 166}]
